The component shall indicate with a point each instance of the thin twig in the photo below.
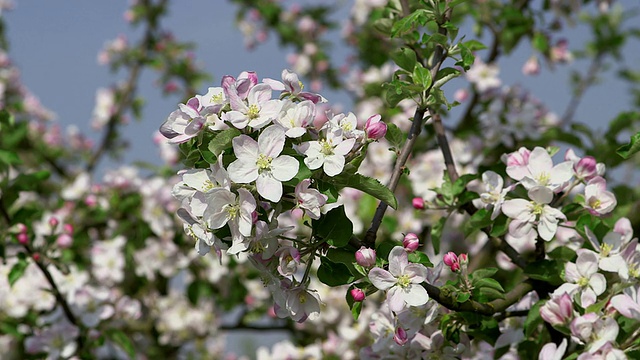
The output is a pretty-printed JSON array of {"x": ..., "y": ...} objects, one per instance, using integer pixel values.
[{"x": 582, "y": 87}]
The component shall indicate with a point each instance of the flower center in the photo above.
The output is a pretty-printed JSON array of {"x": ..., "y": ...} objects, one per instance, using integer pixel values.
[
  {"x": 605, "y": 250},
  {"x": 595, "y": 203},
  {"x": 233, "y": 211},
  {"x": 543, "y": 178},
  {"x": 583, "y": 282},
  {"x": 325, "y": 148},
  {"x": 217, "y": 98},
  {"x": 404, "y": 281},
  {"x": 257, "y": 247},
  {"x": 302, "y": 297},
  {"x": 634, "y": 271},
  {"x": 253, "y": 112},
  {"x": 264, "y": 163},
  {"x": 537, "y": 209},
  {"x": 346, "y": 126},
  {"x": 208, "y": 185}
]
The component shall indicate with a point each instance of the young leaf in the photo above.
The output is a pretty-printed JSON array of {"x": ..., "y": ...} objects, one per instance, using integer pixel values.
[
  {"x": 17, "y": 270},
  {"x": 368, "y": 185},
  {"x": 405, "y": 58},
  {"x": 223, "y": 140},
  {"x": 335, "y": 227},
  {"x": 436, "y": 234},
  {"x": 631, "y": 148}
]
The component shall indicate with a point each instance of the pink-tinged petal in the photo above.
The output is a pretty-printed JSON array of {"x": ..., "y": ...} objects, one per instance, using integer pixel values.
[
  {"x": 284, "y": 168},
  {"x": 626, "y": 306},
  {"x": 195, "y": 126},
  {"x": 552, "y": 352},
  {"x": 598, "y": 283},
  {"x": 519, "y": 228},
  {"x": 274, "y": 84},
  {"x": 236, "y": 102},
  {"x": 242, "y": 172},
  {"x": 517, "y": 209},
  {"x": 623, "y": 227},
  {"x": 245, "y": 148},
  {"x": 416, "y": 295},
  {"x": 571, "y": 273},
  {"x": 547, "y": 227},
  {"x": 382, "y": 279},
  {"x": 566, "y": 288},
  {"x": 396, "y": 299},
  {"x": 333, "y": 165},
  {"x": 587, "y": 262},
  {"x": 541, "y": 194},
  {"x": 417, "y": 272},
  {"x": 259, "y": 94},
  {"x": 562, "y": 173},
  {"x": 269, "y": 188},
  {"x": 587, "y": 298},
  {"x": 540, "y": 161},
  {"x": 238, "y": 119},
  {"x": 344, "y": 147},
  {"x": 271, "y": 141},
  {"x": 398, "y": 260},
  {"x": 247, "y": 207}
]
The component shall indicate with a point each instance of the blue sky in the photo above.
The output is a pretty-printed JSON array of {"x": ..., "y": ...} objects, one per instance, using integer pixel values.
[{"x": 55, "y": 44}]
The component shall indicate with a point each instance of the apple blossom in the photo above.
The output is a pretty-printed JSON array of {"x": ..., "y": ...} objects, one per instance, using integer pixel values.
[
  {"x": 628, "y": 303},
  {"x": 594, "y": 331},
  {"x": 259, "y": 110},
  {"x": 551, "y": 351},
  {"x": 411, "y": 242},
  {"x": 583, "y": 279},
  {"x": 357, "y": 294},
  {"x": 558, "y": 310},
  {"x": 495, "y": 194},
  {"x": 542, "y": 172},
  {"x": 483, "y": 76},
  {"x": 296, "y": 117},
  {"x": 402, "y": 281},
  {"x": 598, "y": 200},
  {"x": 537, "y": 212},
  {"x": 418, "y": 203},
  {"x": 309, "y": 199},
  {"x": 261, "y": 162},
  {"x": 374, "y": 128},
  {"x": 517, "y": 163},
  {"x": 225, "y": 207},
  {"x": 366, "y": 257},
  {"x": 328, "y": 153}
]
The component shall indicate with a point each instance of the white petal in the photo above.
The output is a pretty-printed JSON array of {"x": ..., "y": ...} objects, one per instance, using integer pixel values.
[
  {"x": 245, "y": 148},
  {"x": 269, "y": 188},
  {"x": 243, "y": 172},
  {"x": 284, "y": 168},
  {"x": 333, "y": 165},
  {"x": 416, "y": 295},
  {"x": 381, "y": 278}
]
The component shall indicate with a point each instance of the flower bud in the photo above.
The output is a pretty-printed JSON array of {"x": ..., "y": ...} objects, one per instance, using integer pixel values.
[
  {"x": 374, "y": 128},
  {"x": 531, "y": 66},
  {"x": 357, "y": 294},
  {"x": 411, "y": 242},
  {"x": 53, "y": 222},
  {"x": 557, "y": 311},
  {"x": 23, "y": 238},
  {"x": 450, "y": 258},
  {"x": 366, "y": 257},
  {"x": 254, "y": 217},
  {"x": 418, "y": 203},
  {"x": 68, "y": 229},
  {"x": 463, "y": 259},
  {"x": 36, "y": 256},
  {"x": 586, "y": 168},
  {"x": 64, "y": 241},
  {"x": 400, "y": 336}
]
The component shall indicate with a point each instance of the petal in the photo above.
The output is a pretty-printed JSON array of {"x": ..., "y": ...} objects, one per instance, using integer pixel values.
[
  {"x": 381, "y": 278},
  {"x": 626, "y": 306},
  {"x": 268, "y": 187},
  {"x": 245, "y": 148},
  {"x": 598, "y": 283},
  {"x": 587, "y": 262},
  {"x": 416, "y": 295},
  {"x": 284, "y": 168},
  {"x": 416, "y": 272},
  {"x": 396, "y": 299},
  {"x": 517, "y": 209},
  {"x": 540, "y": 161},
  {"x": 333, "y": 165},
  {"x": 236, "y": 118},
  {"x": 398, "y": 260},
  {"x": 271, "y": 141},
  {"x": 247, "y": 207},
  {"x": 541, "y": 194},
  {"x": 547, "y": 228},
  {"x": 243, "y": 172},
  {"x": 344, "y": 147}
]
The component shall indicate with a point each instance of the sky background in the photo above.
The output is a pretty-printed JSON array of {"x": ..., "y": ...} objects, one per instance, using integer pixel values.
[{"x": 55, "y": 44}]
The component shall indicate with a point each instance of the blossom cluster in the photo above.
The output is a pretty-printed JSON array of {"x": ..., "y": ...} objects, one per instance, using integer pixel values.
[{"x": 276, "y": 153}]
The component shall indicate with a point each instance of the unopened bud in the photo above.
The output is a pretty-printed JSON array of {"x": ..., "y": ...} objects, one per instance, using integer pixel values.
[
  {"x": 463, "y": 259},
  {"x": 68, "y": 229},
  {"x": 53, "y": 222},
  {"x": 411, "y": 242},
  {"x": 64, "y": 241},
  {"x": 400, "y": 336},
  {"x": 36, "y": 256},
  {"x": 418, "y": 203},
  {"x": 366, "y": 257},
  {"x": 450, "y": 258},
  {"x": 254, "y": 217},
  {"x": 374, "y": 128},
  {"x": 357, "y": 294},
  {"x": 23, "y": 238}
]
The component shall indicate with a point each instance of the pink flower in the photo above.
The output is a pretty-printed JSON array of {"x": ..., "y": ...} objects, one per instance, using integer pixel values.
[
  {"x": 374, "y": 128},
  {"x": 400, "y": 336},
  {"x": 357, "y": 294},
  {"x": 599, "y": 201},
  {"x": 411, "y": 242},
  {"x": 451, "y": 260},
  {"x": 366, "y": 257},
  {"x": 628, "y": 304},
  {"x": 517, "y": 164},
  {"x": 558, "y": 310}
]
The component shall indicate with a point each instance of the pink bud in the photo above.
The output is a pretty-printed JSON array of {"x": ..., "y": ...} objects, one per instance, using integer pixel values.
[
  {"x": 68, "y": 229},
  {"x": 411, "y": 242},
  {"x": 450, "y": 258},
  {"x": 23, "y": 238},
  {"x": 357, "y": 294},
  {"x": 366, "y": 257},
  {"x": 586, "y": 168},
  {"x": 455, "y": 267},
  {"x": 374, "y": 128},
  {"x": 557, "y": 311},
  {"x": 418, "y": 203},
  {"x": 463, "y": 259},
  {"x": 461, "y": 95},
  {"x": 36, "y": 256},
  {"x": 254, "y": 217},
  {"x": 400, "y": 337},
  {"x": 64, "y": 241},
  {"x": 22, "y": 228},
  {"x": 53, "y": 221}
]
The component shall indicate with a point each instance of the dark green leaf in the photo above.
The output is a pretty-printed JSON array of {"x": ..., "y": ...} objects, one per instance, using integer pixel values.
[
  {"x": 368, "y": 185},
  {"x": 9, "y": 157},
  {"x": 405, "y": 58},
  {"x": 546, "y": 270},
  {"x": 488, "y": 283},
  {"x": 436, "y": 234},
  {"x": 462, "y": 297},
  {"x": 500, "y": 226},
  {"x": 222, "y": 140},
  {"x": 334, "y": 227},
  {"x": 17, "y": 270},
  {"x": 631, "y": 148},
  {"x": 333, "y": 274},
  {"x": 533, "y": 319},
  {"x": 488, "y": 294},
  {"x": 479, "y": 220},
  {"x": 563, "y": 253},
  {"x": 395, "y": 136},
  {"x": 460, "y": 184},
  {"x": 484, "y": 273}
]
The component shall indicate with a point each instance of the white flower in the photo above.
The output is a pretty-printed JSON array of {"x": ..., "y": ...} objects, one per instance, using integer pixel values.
[
  {"x": 599, "y": 201},
  {"x": 302, "y": 304},
  {"x": 344, "y": 125},
  {"x": 260, "y": 162},
  {"x": 551, "y": 351},
  {"x": 628, "y": 303},
  {"x": 526, "y": 214},
  {"x": 610, "y": 252},
  {"x": 311, "y": 200},
  {"x": 583, "y": 277},
  {"x": 402, "y": 281},
  {"x": 327, "y": 153},
  {"x": 296, "y": 117},
  {"x": 483, "y": 76},
  {"x": 223, "y": 207},
  {"x": 259, "y": 110},
  {"x": 494, "y": 194},
  {"x": 542, "y": 172}
]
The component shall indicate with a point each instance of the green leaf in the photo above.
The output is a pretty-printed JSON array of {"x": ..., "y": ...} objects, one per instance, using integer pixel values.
[
  {"x": 406, "y": 24},
  {"x": 333, "y": 274},
  {"x": 488, "y": 283},
  {"x": 479, "y": 220},
  {"x": 540, "y": 42},
  {"x": 9, "y": 157},
  {"x": 462, "y": 297},
  {"x": 17, "y": 270},
  {"x": 474, "y": 45},
  {"x": 405, "y": 58},
  {"x": 563, "y": 253},
  {"x": 419, "y": 257},
  {"x": 422, "y": 76},
  {"x": 460, "y": 184},
  {"x": 467, "y": 57},
  {"x": 122, "y": 340},
  {"x": 546, "y": 270},
  {"x": 335, "y": 227},
  {"x": 444, "y": 75},
  {"x": 484, "y": 273},
  {"x": 366, "y": 184},
  {"x": 436, "y": 234},
  {"x": 347, "y": 258},
  {"x": 384, "y": 248},
  {"x": 631, "y": 148},
  {"x": 500, "y": 226},
  {"x": 489, "y": 294},
  {"x": 533, "y": 319},
  {"x": 395, "y": 136},
  {"x": 7, "y": 119},
  {"x": 222, "y": 140}
]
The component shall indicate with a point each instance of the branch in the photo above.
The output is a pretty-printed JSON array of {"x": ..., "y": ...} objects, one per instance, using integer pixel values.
[
  {"x": 489, "y": 309},
  {"x": 582, "y": 87}
]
